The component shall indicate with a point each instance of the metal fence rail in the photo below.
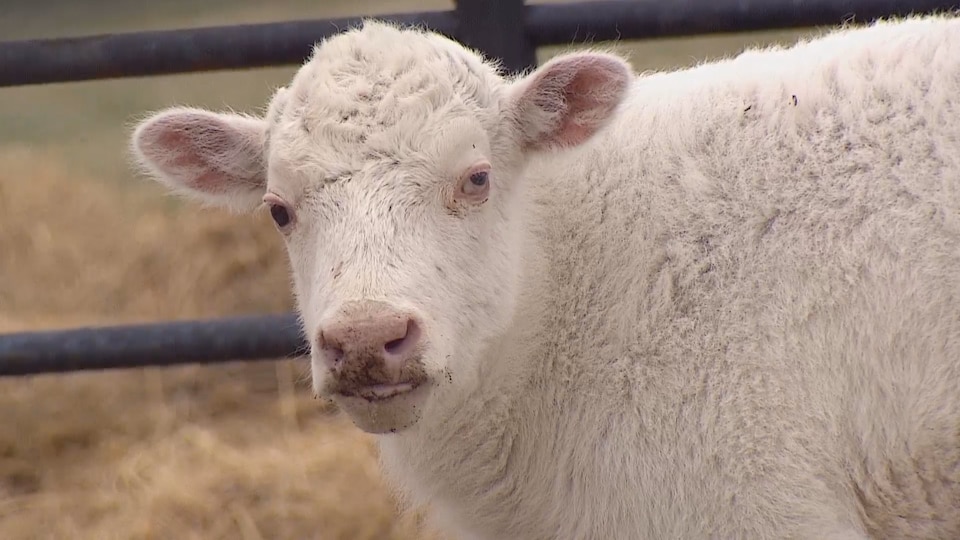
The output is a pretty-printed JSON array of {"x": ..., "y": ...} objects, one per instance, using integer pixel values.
[
  {"x": 162, "y": 344},
  {"x": 506, "y": 29}
]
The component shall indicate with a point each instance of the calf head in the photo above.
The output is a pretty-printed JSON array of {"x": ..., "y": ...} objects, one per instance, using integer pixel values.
[{"x": 392, "y": 167}]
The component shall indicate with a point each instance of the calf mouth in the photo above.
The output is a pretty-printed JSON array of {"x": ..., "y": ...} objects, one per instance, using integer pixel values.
[
  {"x": 371, "y": 383},
  {"x": 379, "y": 392},
  {"x": 378, "y": 405},
  {"x": 375, "y": 389}
]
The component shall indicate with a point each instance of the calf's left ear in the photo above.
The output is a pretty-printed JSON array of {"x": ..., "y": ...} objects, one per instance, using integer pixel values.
[{"x": 567, "y": 100}]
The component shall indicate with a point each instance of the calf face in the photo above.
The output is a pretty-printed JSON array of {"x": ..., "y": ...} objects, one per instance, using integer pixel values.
[{"x": 392, "y": 168}]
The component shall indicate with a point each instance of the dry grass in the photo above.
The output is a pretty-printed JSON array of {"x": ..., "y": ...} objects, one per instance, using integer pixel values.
[{"x": 239, "y": 451}]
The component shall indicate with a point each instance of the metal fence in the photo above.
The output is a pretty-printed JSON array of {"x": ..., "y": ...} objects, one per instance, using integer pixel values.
[{"x": 504, "y": 29}]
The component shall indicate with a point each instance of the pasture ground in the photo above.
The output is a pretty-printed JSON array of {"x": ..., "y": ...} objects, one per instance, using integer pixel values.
[{"x": 237, "y": 451}]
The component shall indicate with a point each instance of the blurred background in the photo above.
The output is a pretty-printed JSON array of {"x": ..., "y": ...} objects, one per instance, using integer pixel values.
[{"x": 238, "y": 451}]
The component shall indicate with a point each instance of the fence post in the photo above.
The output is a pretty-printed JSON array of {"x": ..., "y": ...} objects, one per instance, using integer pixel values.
[{"x": 497, "y": 29}]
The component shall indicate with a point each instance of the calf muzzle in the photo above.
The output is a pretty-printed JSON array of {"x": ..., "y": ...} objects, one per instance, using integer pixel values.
[{"x": 372, "y": 350}]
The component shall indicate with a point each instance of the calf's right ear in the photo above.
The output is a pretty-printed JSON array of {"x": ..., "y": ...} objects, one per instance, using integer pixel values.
[
  {"x": 568, "y": 99},
  {"x": 217, "y": 158}
]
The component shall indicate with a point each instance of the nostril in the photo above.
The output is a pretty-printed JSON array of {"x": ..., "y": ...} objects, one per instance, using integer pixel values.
[
  {"x": 393, "y": 346},
  {"x": 408, "y": 341}
]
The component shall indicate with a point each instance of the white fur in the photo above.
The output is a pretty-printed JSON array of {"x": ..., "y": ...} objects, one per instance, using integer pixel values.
[{"x": 731, "y": 313}]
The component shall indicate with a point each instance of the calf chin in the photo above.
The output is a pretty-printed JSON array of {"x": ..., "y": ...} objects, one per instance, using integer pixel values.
[{"x": 390, "y": 414}]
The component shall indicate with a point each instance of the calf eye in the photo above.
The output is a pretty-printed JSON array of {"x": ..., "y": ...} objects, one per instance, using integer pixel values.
[
  {"x": 280, "y": 215},
  {"x": 280, "y": 211},
  {"x": 479, "y": 178},
  {"x": 475, "y": 184}
]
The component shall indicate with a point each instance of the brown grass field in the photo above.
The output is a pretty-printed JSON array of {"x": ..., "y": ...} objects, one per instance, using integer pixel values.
[{"x": 238, "y": 451}]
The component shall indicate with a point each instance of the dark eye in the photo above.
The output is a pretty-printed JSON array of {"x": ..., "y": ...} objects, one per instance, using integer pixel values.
[
  {"x": 474, "y": 184},
  {"x": 280, "y": 215},
  {"x": 479, "y": 178}
]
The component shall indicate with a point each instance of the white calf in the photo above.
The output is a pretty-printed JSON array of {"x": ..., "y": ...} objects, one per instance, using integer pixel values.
[{"x": 717, "y": 303}]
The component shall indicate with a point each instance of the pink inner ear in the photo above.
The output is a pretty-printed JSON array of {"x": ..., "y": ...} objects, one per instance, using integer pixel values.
[
  {"x": 581, "y": 92},
  {"x": 187, "y": 146},
  {"x": 590, "y": 98},
  {"x": 187, "y": 156},
  {"x": 179, "y": 147}
]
